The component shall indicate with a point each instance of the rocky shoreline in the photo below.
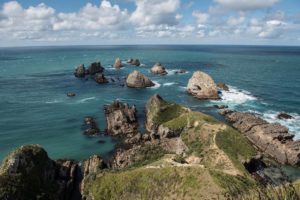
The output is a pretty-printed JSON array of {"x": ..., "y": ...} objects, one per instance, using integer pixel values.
[{"x": 192, "y": 138}]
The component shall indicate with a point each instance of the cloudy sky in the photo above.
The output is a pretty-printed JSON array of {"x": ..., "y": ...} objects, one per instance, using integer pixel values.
[{"x": 57, "y": 22}]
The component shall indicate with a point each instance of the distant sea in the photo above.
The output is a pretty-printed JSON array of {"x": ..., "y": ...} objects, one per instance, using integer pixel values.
[{"x": 34, "y": 81}]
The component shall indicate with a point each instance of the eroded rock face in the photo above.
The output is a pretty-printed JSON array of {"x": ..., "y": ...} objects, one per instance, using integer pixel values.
[
  {"x": 152, "y": 107},
  {"x": 138, "y": 80},
  {"x": 159, "y": 69},
  {"x": 118, "y": 63},
  {"x": 121, "y": 119},
  {"x": 100, "y": 78},
  {"x": 95, "y": 68},
  {"x": 271, "y": 138},
  {"x": 124, "y": 158},
  {"x": 28, "y": 173},
  {"x": 80, "y": 71},
  {"x": 202, "y": 86}
]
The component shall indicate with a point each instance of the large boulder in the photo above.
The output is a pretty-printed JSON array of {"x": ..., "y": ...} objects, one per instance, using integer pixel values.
[
  {"x": 80, "y": 71},
  {"x": 100, "y": 78},
  {"x": 138, "y": 80},
  {"x": 135, "y": 62},
  {"x": 202, "y": 86},
  {"x": 159, "y": 69},
  {"x": 95, "y": 68},
  {"x": 284, "y": 116},
  {"x": 121, "y": 119},
  {"x": 28, "y": 173},
  {"x": 118, "y": 63}
]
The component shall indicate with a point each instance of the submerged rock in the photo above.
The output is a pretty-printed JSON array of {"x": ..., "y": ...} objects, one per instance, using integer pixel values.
[
  {"x": 159, "y": 69},
  {"x": 271, "y": 138},
  {"x": 202, "y": 86},
  {"x": 121, "y": 119},
  {"x": 138, "y": 80},
  {"x": 100, "y": 78},
  {"x": 118, "y": 63},
  {"x": 182, "y": 71},
  {"x": 284, "y": 116},
  {"x": 80, "y": 71},
  {"x": 28, "y": 173},
  {"x": 220, "y": 106},
  {"x": 95, "y": 68},
  {"x": 223, "y": 86}
]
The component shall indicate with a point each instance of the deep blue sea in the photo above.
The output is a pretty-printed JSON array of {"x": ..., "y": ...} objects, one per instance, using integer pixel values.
[{"x": 34, "y": 81}]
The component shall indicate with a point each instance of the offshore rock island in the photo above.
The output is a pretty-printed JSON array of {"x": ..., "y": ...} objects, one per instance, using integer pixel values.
[{"x": 180, "y": 153}]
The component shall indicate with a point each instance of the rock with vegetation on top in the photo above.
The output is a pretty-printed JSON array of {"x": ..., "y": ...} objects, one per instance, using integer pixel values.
[
  {"x": 118, "y": 63},
  {"x": 80, "y": 71},
  {"x": 271, "y": 138},
  {"x": 28, "y": 173},
  {"x": 138, "y": 80},
  {"x": 95, "y": 68},
  {"x": 159, "y": 69},
  {"x": 223, "y": 86},
  {"x": 100, "y": 78},
  {"x": 202, "y": 86},
  {"x": 121, "y": 119}
]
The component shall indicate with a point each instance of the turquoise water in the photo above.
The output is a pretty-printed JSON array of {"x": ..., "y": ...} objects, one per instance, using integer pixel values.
[{"x": 34, "y": 81}]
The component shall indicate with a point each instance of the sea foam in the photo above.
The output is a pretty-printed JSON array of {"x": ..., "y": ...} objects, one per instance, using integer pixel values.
[
  {"x": 169, "y": 84},
  {"x": 156, "y": 85},
  {"x": 235, "y": 96}
]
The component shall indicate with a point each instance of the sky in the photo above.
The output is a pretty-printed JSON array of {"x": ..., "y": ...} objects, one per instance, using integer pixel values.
[{"x": 115, "y": 22}]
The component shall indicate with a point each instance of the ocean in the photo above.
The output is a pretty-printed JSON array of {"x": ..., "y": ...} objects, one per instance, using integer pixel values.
[{"x": 34, "y": 108}]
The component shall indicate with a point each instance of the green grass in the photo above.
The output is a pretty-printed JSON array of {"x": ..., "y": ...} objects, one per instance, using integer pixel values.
[
  {"x": 148, "y": 154},
  {"x": 195, "y": 145},
  {"x": 236, "y": 146}
]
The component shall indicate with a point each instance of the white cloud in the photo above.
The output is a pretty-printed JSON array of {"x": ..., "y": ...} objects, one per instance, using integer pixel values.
[
  {"x": 234, "y": 21},
  {"x": 156, "y": 12},
  {"x": 201, "y": 17},
  {"x": 246, "y": 4}
]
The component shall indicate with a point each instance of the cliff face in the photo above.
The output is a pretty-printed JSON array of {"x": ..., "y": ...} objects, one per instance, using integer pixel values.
[{"x": 28, "y": 173}]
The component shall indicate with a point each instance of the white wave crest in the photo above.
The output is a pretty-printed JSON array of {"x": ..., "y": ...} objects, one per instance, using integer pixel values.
[
  {"x": 173, "y": 71},
  {"x": 86, "y": 99},
  {"x": 54, "y": 101},
  {"x": 235, "y": 96},
  {"x": 169, "y": 84},
  {"x": 157, "y": 85}
]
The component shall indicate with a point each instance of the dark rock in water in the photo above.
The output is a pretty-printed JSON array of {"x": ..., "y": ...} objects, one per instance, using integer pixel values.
[
  {"x": 121, "y": 119},
  {"x": 92, "y": 128},
  {"x": 180, "y": 71},
  {"x": 225, "y": 112},
  {"x": 100, "y": 78},
  {"x": 80, "y": 71},
  {"x": 223, "y": 86},
  {"x": 71, "y": 94},
  {"x": 271, "y": 138},
  {"x": 284, "y": 116},
  {"x": 28, "y": 173},
  {"x": 254, "y": 164},
  {"x": 122, "y": 84},
  {"x": 95, "y": 68},
  {"x": 220, "y": 106},
  {"x": 135, "y": 62},
  {"x": 138, "y": 80}
]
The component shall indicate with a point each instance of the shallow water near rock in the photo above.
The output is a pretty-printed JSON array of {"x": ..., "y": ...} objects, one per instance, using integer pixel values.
[{"x": 34, "y": 81}]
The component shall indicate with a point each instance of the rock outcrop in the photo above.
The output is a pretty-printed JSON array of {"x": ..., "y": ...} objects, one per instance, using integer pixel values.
[
  {"x": 159, "y": 69},
  {"x": 121, "y": 119},
  {"x": 271, "y": 138},
  {"x": 135, "y": 62},
  {"x": 80, "y": 71},
  {"x": 28, "y": 173},
  {"x": 95, "y": 68},
  {"x": 91, "y": 128},
  {"x": 118, "y": 63},
  {"x": 202, "y": 86},
  {"x": 100, "y": 78},
  {"x": 223, "y": 86},
  {"x": 138, "y": 80},
  {"x": 71, "y": 94}
]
